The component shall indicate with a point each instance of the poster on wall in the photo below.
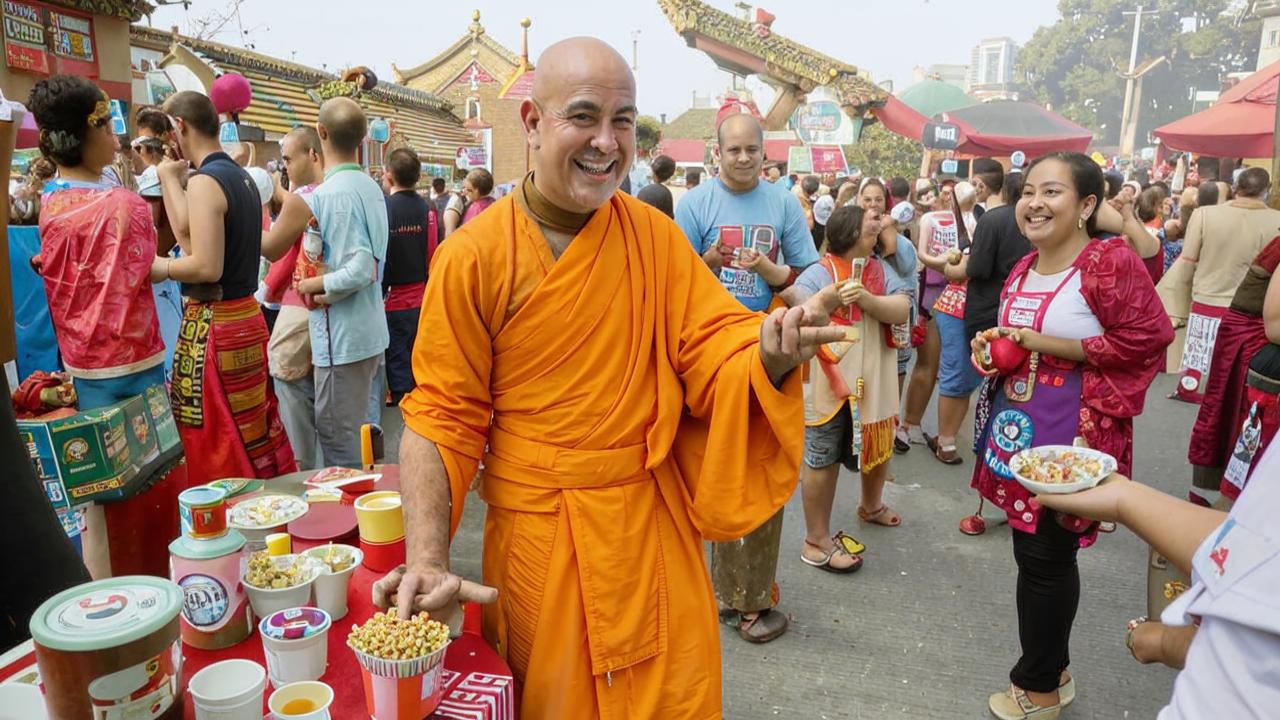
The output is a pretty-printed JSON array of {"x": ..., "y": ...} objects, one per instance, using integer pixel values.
[
  {"x": 25, "y": 47},
  {"x": 43, "y": 39}
]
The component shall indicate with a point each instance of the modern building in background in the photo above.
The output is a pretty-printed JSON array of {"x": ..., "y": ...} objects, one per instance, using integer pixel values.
[
  {"x": 991, "y": 70},
  {"x": 957, "y": 75},
  {"x": 1269, "y": 45}
]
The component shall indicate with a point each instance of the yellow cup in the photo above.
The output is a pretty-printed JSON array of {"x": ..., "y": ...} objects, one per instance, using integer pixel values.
[
  {"x": 380, "y": 517},
  {"x": 279, "y": 544}
]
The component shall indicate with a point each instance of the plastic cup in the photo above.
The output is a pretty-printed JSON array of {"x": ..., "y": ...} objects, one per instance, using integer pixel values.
[
  {"x": 301, "y": 701},
  {"x": 330, "y": 588},
  {"x": 296, "y": 644},
  {"x": 402, "y": 689},
  {"x": 382, "y": 557},
  {"x": 279, "y": 544},
  {"x": 380, "y": 517},
  {"x": 265, "y": 601},
  {"x": 229, "y": 690}
]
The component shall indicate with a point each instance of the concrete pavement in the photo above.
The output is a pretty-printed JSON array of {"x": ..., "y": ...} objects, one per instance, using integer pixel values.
[{"x": 927, "y": 629}]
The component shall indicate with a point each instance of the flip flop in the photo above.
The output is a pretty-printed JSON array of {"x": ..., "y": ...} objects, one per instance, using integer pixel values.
[
  {"x": 951, "y": 458},
  {"x": 766, "y": 626},
  {"x": 878, "y": 516},
  {"x": 973, "y": 525},
  {"x": 901, "y": 440},
  {"x": 825, "y": 563}
]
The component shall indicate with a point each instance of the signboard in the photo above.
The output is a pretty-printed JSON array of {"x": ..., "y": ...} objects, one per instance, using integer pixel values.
[
  {"x": 228, "y": 133},
  {"x": 379, "y": 130},
  {"x": 471, "y": 157},
  {"x": 25, "y": 47},
  {"x": 806, "y": 159},
  {"x": 43, "y": 39},
  {"x": 799, "y": 161},
  {"x": 941, "y": 136},
  {"x": 824, "y": 122},
  {"x": 949, "y": 167},
  {"x": 433, "y": 170},
  {"x": 118, "y": 126}
]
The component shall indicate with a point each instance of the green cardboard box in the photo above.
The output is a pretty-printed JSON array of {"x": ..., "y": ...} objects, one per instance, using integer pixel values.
[{"x": 162, "y": 417}]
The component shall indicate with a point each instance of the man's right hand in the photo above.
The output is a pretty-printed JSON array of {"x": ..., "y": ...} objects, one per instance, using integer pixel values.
[
  {"x": 714, "y": 257},
  {"x": 429, "y": 588},
  {"x": 173, "y": 169}
]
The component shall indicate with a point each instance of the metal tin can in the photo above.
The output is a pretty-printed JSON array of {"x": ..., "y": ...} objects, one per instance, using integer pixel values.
[
  {"x": 203, "y": 512},
  {"x": 215, "y": 608}
]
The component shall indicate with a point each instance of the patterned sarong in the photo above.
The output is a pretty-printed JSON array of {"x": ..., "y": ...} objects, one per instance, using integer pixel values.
[{"x": 222, "y": 393}]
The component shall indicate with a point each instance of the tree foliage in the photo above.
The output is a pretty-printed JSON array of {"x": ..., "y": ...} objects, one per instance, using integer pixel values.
[
  {"x": 880, "y": 151},
  {"x": 648, "y": 133},
  {"x": 1074, "y": 65}
]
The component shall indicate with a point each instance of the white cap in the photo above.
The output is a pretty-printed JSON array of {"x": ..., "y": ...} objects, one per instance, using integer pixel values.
[
  {"x": 902, "y": 212},
  {"x": 262, "y": 178},
  {"x": 822, "y": 209}
]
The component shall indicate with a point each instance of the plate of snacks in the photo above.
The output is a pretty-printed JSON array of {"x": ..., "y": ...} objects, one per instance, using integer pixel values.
[
  {"x": 266, "y": 511},
  {"x": 1061, "y": 469}
]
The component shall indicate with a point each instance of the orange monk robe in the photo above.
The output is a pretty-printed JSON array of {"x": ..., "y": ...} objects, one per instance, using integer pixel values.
[{"x": 610, "y": 375}]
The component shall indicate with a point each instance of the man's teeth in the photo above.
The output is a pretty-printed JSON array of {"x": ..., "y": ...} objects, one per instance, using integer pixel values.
[{"x": 596, "y": 169}]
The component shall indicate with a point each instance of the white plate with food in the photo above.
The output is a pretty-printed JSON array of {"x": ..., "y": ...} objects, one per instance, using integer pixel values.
[
  {"x": 1061, "y": 469},
  {"x": 266, "y": 511}
]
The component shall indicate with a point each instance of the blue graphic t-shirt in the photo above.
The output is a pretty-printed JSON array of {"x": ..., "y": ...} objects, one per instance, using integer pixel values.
[{"x": 766, "y": 218}]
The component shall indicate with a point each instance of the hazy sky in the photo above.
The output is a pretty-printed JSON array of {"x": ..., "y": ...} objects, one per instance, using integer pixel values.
[{"x": 886, "y": 37}]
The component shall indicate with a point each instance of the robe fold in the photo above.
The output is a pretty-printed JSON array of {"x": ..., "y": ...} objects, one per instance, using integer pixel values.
[{"x": 600, "y": 382}]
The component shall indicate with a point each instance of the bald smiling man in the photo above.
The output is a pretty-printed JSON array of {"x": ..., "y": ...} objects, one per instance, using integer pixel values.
[{"x": 572, "y": 330}]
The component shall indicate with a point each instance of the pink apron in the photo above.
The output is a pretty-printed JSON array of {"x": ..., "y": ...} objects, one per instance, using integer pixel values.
[{"x": 1037, "y": 405}]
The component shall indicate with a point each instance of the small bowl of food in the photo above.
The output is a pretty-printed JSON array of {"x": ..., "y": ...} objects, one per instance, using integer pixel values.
[
  {"x": 1061, "y": 469},
  {"x": 259, "y": 516},
  {"x": 279, "y": 582},
  {"x": 337, "y": 563}
]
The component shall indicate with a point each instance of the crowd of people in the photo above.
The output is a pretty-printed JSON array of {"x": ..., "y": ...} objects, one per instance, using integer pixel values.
[{"x": 619, "y": 399}]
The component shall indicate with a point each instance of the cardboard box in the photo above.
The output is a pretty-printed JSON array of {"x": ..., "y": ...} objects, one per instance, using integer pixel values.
[{"x": 99, "y": 454}]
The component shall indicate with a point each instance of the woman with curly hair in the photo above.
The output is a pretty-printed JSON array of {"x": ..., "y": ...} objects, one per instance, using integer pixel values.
[{"x": 97, "y": 245}]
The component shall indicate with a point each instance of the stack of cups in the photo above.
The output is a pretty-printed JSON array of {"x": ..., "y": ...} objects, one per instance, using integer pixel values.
[
  {"x": 296, "y": 644},
  {"x": 205, "y": 561},
  {"x": 229, "y": 690},
  {"x": 381, "y": 523},
  {"x": 402, "y": 689},
  {"x": 337, "y": 563}
]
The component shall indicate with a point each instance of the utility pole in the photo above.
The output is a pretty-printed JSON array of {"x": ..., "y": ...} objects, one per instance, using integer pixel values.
[
  {"x": 1129, "y": 116},
  {"x": 635, "y": 45}
]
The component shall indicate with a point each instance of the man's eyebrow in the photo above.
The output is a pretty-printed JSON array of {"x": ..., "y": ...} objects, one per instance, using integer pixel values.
[
  {"x": 627, "y": 109},
  {"x": 578, "y": 106}
]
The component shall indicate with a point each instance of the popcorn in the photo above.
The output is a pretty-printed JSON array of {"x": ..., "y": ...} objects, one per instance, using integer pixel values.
[{"x": 387, "y": 636}]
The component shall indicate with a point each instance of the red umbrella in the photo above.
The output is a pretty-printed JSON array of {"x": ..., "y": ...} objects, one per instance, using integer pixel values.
[
  {"x": 901, "y": 118},
  {"x": 1240, "y": 125}
]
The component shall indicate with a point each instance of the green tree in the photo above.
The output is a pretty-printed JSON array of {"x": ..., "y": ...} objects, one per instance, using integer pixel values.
[
  {"x": 648, "y": 133},
  {"x": 1074, "y": 65},
  {"x": 883, "y": 152}
]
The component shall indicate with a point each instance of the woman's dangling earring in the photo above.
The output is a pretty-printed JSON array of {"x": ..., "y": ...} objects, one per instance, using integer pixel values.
[{"x": 1080, "y": 224}]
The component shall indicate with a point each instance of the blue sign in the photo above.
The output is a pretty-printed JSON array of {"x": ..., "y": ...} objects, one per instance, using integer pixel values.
[
  {"x": 228, "y": 133},
  {"x": 949, "y": 167},
  {"x": 118, "y": 125},
  {"x": 1018, "y": 159},
  {"x": 379, "y": 131}
]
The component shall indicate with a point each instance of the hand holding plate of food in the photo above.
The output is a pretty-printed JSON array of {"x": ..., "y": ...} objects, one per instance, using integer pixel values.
[{"x": 1061, "y": 469}]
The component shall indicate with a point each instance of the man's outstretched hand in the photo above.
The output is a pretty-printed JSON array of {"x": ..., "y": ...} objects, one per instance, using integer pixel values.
[
  {"x": 791, "y": 336},
  {"x": 431, "y": 589}
]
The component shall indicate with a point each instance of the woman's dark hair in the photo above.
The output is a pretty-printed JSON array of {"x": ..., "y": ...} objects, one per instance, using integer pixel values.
[
  {"x": 154, "y": 119},
  {"x": 62, "y": 105},
  {"x": 481, "y": 180},
  {"x": 1012, "y": 189},
  {"x": 1114, "y": 181},
  {"x": 1207, "y": 194},
  {"x": 1148, "y": 205},
  {"x": 872, "y": 181},
  {"x": 900, "y": 189},
  {"x": 1086, "y": 177},
  {"x": 844, "y": 227}
]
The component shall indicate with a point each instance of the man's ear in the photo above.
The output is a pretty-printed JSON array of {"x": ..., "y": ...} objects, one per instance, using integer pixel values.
[
  {"x": 322, "y": 131},
  {"x": 531, "y": 119}
]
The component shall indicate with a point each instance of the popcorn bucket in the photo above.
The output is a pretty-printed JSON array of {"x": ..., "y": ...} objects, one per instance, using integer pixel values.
[{"x": 402, "y": 689}]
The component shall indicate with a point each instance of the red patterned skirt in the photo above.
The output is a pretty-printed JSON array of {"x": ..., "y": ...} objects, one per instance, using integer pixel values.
[{"x": 222, "y": 396}]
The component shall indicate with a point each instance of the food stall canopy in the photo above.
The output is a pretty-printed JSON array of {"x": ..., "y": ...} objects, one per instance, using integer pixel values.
[
  {"x": 682, "y": 151},
  {"x": 1240, "y": 125},
  {"x": 1003, "y": 127}
]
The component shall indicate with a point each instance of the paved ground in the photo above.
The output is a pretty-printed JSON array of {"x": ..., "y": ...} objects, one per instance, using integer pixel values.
[{"x": 928, "y": 629}]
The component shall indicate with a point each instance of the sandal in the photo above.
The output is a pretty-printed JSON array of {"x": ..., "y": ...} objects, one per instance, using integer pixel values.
[
  {"x": 1013, "y": 704},
  {"x": 878, "y": 517},
  {"x": 838, "y": 549},
  {"x": 766, "y": 626},
  {"x": 901, "y": 440},
  {"x": 973, "y": 525},
  {"x": 946, "y": 455}
]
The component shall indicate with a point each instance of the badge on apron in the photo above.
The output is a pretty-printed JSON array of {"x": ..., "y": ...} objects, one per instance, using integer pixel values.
[{"x": 1237, "y": 471}]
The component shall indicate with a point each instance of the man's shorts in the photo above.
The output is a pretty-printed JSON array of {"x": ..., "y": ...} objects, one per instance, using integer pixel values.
[
  {"x": 831, "y": 442},
  {"x": 957, "y": 377}
]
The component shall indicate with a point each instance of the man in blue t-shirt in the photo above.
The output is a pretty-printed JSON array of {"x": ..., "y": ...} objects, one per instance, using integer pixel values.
[{"x": 754, "y": 236}]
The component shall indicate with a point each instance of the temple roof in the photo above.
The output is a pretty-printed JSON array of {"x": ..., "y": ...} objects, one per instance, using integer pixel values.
[
  {"x": 475, "y": 35},
  {"x": 780, "y": 57},
  {"x": 131, "y": 10},
  {"x": 695, "y": 124}
]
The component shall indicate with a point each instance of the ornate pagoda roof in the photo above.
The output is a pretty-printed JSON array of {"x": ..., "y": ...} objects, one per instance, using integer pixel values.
[
  {"x": 756, "y": 49},
  {"x": 131, "y": 10},
  {"x": 475, "y": 36}
]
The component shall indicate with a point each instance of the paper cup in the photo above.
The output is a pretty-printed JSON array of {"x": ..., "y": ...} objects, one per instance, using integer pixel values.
[
  {"x": 380, "y": 517},
  {"x": 267, "y": 600},
  {"x": 229, "y": 690},
  {"x": 296, "y": 644},
  {"x": 330, "y": 588},
  {"x": 402, "y": 689},
  {"x": 382, "y": 557},
  {"x": 202, "y": 512},
  {"x": 301, "y": 701}
]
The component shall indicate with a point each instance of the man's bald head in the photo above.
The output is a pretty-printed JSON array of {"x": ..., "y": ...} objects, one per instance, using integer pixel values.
[
  {"x": 740, "y": 122},
  {"x": 344, "y": 124},
  {"x": 585, "y": 59}
]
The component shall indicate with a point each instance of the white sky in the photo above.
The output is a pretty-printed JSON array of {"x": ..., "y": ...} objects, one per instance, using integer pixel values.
[{"x": 886, "y": 37}]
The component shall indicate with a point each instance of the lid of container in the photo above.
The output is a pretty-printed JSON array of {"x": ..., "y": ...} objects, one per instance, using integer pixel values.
[
  {"x": 185, "y": 547},
  {"x": 294, "y": 623},
  {"x": 106, "y": 613},
  {"x": 325, "y": 521},
  {"x": 202, "y": 496}
]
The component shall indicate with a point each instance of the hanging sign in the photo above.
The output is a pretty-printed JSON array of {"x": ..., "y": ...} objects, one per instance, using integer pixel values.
[
  {"x": 471, "y": 157},
  {"x": 44, "y": 39},
  {"x": 941, "y": 136},
  {"x": 228, "y": 133},
  {"x": 118, "y": 125},
  {"x": 799, "y": 161},
  {"x": 825, "y": 123},
  {"x": 379, "y": 131},
  {"x": 25, "y": 47}
]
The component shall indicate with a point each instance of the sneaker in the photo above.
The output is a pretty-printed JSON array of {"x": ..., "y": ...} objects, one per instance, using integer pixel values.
[
  {"x": 1013, "y": 704},
  {"x": 901, "y": 440}
]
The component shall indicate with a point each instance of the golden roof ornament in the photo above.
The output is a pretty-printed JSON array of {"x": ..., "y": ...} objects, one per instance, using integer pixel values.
[{"x": 476, "y": 28}]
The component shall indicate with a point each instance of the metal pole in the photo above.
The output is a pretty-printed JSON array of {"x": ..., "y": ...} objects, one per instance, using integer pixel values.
[{"x": 1126, "y": 147}]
